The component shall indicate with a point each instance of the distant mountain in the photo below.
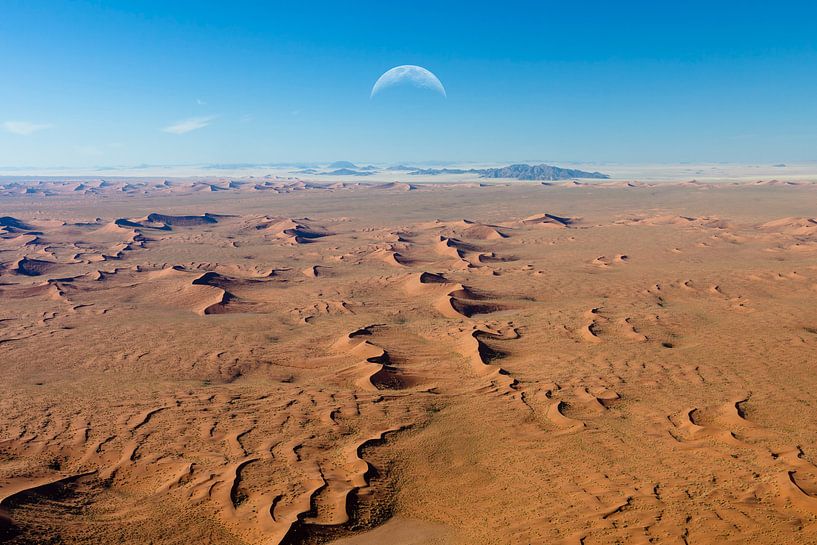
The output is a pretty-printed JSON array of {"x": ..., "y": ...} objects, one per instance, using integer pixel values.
[
  {"x": 342, "y": 164},
  {"x": 520, "y": 172},
  {"x": 347, "y": 172},
  {"x": 539, "y": 172}
]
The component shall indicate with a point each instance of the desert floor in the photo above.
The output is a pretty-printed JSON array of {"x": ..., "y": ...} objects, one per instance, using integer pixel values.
[{"x": 281, "y": 362}]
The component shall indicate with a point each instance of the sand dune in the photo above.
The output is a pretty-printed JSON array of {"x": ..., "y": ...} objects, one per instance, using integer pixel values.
[
  {"x": 291, "y": 230},
  {"x": 469, "y": 229},
  {"x": 792, "y": 226},
  {"x": 681, "y": 221},
  {"x": 395, "y": 186},
  {"x": 48, "y": 289},
  {"x": 13, "y": 225},
  {"x": 33, "y": 267},
  {"x": 604, "y": 262},
  {"x": 181, "y": 221},
  {"x": 548, "y": 220},
  {"x": 390, "y": 257},
  {"x": 483, "y": 232},
  {"x": 354, "y": 363}
]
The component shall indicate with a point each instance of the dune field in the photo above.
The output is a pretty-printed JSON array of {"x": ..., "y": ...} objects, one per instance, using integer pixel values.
[{"x": 267, "y": 361}]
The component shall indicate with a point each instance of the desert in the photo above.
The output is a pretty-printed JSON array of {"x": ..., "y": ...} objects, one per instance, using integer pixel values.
[
  {"x": 256, "y": 360},
  {"x": 425, "y": 273}
]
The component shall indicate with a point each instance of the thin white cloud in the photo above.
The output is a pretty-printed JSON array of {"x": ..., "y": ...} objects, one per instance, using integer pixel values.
[
  {"x": 25, "y": 128},
  {"x": 200, "y": 102},
  {"x": 190, "y": 124}
]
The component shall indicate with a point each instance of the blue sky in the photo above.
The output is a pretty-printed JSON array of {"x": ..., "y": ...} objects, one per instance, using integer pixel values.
[{"x": 125, "y": 83}]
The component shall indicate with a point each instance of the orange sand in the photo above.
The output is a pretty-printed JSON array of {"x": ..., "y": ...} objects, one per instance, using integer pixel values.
[{"x": 285, "y": 362}]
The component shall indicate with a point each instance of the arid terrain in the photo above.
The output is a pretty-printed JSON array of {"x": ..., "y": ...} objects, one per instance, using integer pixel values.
[{"x": 269, "y": 361}]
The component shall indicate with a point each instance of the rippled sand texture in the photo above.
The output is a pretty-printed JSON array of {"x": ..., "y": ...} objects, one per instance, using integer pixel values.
[{"x": 281, "y": 362}]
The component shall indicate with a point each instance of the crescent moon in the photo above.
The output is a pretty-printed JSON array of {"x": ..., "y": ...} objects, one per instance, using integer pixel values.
[{"x": 408, "y": 73}]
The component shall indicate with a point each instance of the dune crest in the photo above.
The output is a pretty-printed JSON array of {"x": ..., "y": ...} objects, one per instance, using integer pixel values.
[{"x": 345, "y": 362}]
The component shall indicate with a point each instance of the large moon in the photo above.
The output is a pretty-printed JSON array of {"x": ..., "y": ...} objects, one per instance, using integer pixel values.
[{"x": 410, "y": 74}]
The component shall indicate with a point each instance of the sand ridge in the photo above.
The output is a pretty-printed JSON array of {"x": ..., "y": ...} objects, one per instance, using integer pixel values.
[{"x": 283, "y": 361}]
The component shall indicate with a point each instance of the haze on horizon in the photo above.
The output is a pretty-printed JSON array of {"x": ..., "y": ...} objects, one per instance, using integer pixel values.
[{"x": 196, "y": 83}]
